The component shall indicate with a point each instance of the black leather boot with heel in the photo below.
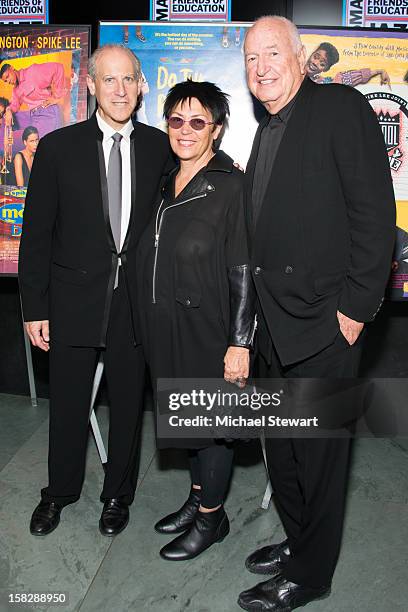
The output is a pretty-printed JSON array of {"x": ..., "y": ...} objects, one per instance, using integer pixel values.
[
  {"x": 207, "y": 529},
  {"x": 179, "y": 521}
]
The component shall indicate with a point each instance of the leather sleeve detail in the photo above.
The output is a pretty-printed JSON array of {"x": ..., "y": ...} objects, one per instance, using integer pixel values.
[{"x": 242, "y": 306}]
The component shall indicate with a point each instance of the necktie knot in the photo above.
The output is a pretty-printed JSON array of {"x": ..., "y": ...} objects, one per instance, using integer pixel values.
[{"x": 117, "y": 137}]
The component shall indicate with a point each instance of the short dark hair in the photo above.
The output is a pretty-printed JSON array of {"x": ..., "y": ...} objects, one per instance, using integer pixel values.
[
  {"x": 28, "y": 131},
  {"x": 208, "y": 94},
  {"x": 4, "y": 68},
  {"x": 4, "y": 102},
  {"x": 331, "y": 52}
]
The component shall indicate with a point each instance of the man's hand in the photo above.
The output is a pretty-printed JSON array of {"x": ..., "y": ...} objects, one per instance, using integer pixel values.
[
  {"x": 47, "y": 102},
  {"x": 349, "y": 328},
  {"x": 39, "y": 334},
  {"x": 236, "y": 365}
]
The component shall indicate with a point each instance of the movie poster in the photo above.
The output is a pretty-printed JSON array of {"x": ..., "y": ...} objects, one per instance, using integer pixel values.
[
  {"x": 170, "y": 53},
  {"x": 42, "y": 88},
  {"x": 376, "y": 64},
  {"x": 372, "y": 61}
]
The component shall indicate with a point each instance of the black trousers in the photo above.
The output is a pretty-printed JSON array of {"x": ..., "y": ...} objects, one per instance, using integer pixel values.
[
  {"x": 309, "y": 475},
  {"x": 211, "y": 469},
  {"x": 72, "y": 371}
]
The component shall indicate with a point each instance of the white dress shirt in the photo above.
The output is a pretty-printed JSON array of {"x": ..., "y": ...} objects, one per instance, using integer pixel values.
[{"x": 107, "y": 143}]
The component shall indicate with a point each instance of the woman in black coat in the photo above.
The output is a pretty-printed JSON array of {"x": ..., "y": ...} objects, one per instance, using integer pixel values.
[{"x": 196, "y": 295}]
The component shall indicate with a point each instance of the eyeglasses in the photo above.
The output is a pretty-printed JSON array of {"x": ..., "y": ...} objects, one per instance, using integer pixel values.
[{"x": 196, "y": 123}]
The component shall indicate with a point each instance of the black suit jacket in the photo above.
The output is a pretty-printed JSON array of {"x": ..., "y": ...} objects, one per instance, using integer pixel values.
[
  {"x": 325, "y": 233},
  {"x": 67, "y": 255}
]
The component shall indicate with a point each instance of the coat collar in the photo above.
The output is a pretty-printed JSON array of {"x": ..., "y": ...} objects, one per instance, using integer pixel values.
[
  {"x": 97, "y": 132},
  {"x": 201, "y": 182},
  {"x": 290, "y": 154}
]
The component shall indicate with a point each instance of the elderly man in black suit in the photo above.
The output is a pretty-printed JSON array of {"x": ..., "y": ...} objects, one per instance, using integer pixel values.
[
  {"x": 321, "y": 214},
  {"x": 89, "y": 199}
]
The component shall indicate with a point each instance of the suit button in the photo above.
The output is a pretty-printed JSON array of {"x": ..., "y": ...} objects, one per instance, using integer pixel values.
[
  {"x": 257, "y": 270},
  {"x": 188, "y": 302},
  {"x": 288, "y": 270}
]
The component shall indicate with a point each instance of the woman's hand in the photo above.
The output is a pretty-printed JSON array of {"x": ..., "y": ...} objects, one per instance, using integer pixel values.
[{"x": 236, "y": 365}]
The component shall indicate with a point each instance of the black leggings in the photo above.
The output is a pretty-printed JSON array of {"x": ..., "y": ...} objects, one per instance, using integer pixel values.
[{"x": 211, "y": 469}]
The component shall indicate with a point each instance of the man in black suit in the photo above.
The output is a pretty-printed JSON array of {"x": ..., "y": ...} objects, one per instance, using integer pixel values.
[
  {"x": 89, "y": 198},
  {"x": 321, "y": 215}
]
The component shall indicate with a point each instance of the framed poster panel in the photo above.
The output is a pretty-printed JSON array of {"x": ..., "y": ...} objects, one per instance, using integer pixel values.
[
  {"x": 370, "y": 60},
  {"x": 375, "y": 63},
  {"x": 42, "y": 88}
]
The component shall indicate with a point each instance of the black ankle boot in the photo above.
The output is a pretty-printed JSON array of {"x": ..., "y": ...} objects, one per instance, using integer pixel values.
[
  {"x": 179, "y": 521},
  {"x": 207, "y": 528}
]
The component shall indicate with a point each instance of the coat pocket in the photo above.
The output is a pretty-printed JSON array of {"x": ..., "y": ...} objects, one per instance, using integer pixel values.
[
  {"x": 189, "y": 299},
  {"x": 65, "y": 274}
]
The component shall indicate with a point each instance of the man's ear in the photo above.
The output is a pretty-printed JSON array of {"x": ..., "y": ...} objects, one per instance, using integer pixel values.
[
  {"x": 302, "y": 59},
  {"x": 91, "y": 84}
]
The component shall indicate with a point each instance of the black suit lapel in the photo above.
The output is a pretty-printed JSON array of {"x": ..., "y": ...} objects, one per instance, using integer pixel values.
[
  {"x": 105, "y": 196},
  {"x": 249, "y": 175},
  {"x": 132, "y": 191},
  {"x": 285, "y": 180},
  {"x": 99, "y": 173}
]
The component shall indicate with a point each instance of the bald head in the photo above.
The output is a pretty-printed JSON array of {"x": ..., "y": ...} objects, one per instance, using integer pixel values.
[
  {"x": 276, "y": 21},
  {"x": 112, "y": 49},
  {"x": 275, "y": 61}
]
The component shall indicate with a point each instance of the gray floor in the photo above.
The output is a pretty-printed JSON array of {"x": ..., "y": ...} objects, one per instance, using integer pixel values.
[{"x": 126, "y": 573}]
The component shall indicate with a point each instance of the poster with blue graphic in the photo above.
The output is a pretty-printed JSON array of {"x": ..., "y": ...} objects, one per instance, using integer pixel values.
[
  {"x": 172, "y": 52},
  {"x": 374, "y": 62}
]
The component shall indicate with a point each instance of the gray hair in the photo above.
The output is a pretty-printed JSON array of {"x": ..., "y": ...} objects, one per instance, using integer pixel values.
[
  {"x": 98, "y": 52},
  {"x": 290, "y": 26}
]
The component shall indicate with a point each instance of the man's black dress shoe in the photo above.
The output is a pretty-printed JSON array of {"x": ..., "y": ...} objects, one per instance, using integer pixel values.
[
  {"x": 279, "y": 595},
  {"x": 114, "y": 517},
  {"x": 45, "y": 518},
  {"x": 179, "y": 521},
  {"x": 269, "y": 559},
  {"x": 207, "y": 529}
]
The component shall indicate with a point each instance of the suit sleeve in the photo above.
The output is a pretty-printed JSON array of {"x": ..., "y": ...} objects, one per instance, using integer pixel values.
[
  {"x": 364, "y": 169},
  {"x": 40, "y": 213}
]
